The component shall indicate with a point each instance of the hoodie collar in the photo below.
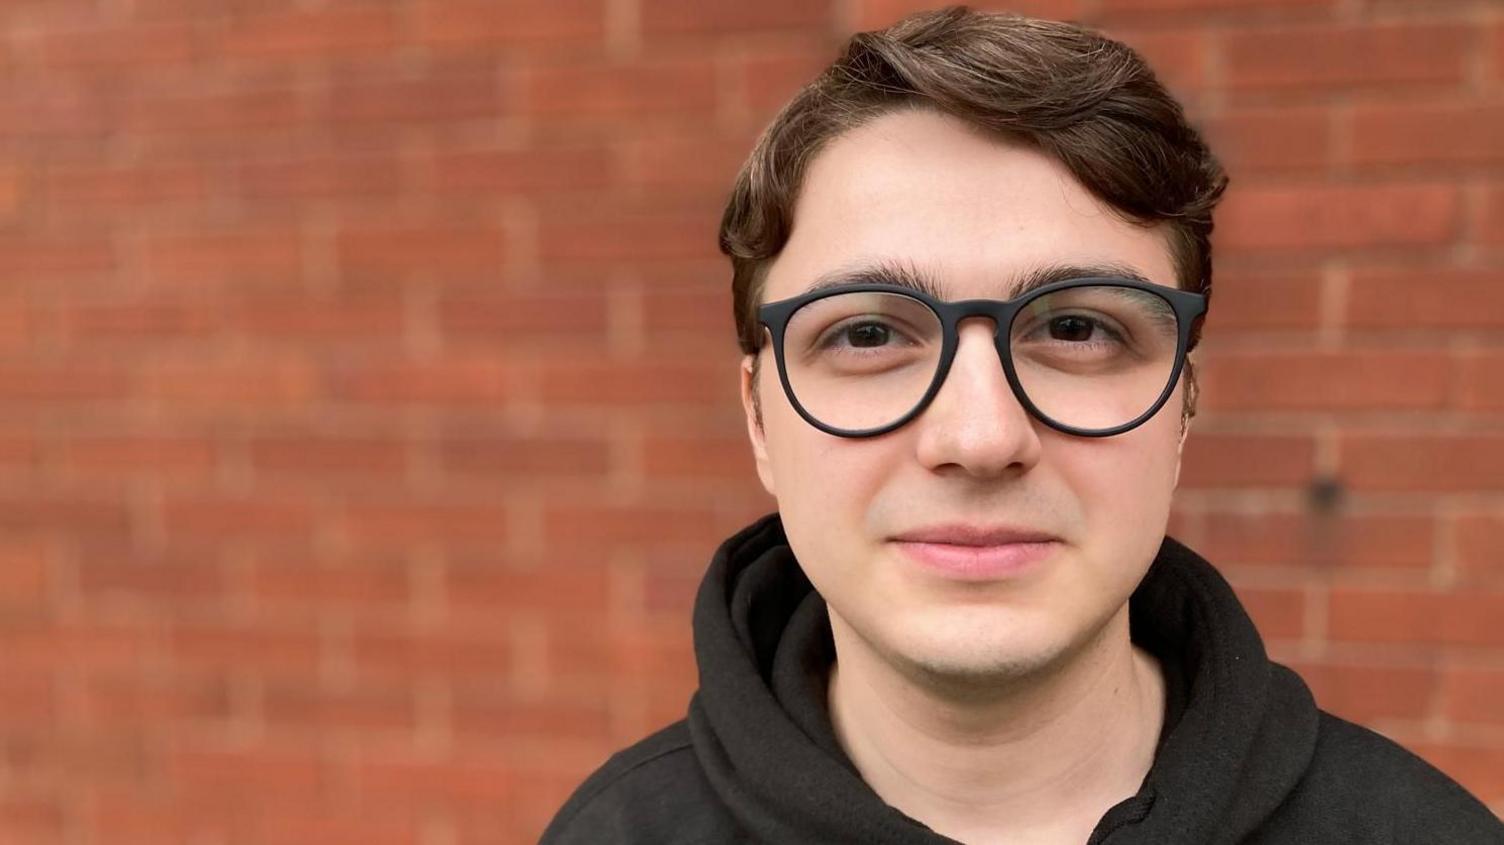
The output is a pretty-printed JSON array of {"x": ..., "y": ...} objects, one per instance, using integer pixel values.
[{"x": 1239, "y": 731}]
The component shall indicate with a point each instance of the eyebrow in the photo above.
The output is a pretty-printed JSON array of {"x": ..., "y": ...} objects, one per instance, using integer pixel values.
[{"x": 906, "y": 274}]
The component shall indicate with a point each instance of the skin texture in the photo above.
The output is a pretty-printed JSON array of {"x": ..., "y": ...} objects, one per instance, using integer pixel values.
[{"x": 1013, "y": 710}]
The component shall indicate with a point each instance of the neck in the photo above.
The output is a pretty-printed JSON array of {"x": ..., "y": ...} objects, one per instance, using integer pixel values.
[{"x": 1038, "y": 757}]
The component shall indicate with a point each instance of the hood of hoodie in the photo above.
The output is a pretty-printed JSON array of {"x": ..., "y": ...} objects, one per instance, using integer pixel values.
[{"x": 1238, "y": 734}]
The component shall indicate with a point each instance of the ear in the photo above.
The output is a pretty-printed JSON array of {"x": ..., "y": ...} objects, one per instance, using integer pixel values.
[
  {"x": 1179, "y": 451},
  {"x": 755, "y": 431}
]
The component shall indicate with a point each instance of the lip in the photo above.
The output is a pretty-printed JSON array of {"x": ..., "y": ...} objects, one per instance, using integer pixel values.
[
  {"x": 964, "y": 534},
  {"x": 976, "y": 553}
]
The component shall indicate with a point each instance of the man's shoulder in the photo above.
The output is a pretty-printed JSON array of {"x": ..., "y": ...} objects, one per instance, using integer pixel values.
[
  {"x": 1368, "y": 786},
  {"x": 651, "y": 791}
]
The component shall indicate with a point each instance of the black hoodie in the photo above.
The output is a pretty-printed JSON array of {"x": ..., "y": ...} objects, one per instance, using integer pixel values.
[{"x": 1244, "y": 755}]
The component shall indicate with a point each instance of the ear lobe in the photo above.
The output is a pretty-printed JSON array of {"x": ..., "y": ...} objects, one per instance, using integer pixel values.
[
  {"x": 1185, "y": 432},
  {"x": 756, "y": 431}
]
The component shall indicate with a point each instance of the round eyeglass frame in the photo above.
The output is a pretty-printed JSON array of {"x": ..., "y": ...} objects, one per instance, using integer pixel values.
[{"x": 1187, "y": 305}]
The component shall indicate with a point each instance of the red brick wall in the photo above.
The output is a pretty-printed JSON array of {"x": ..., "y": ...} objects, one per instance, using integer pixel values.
[{"x": 368, "y": 402}]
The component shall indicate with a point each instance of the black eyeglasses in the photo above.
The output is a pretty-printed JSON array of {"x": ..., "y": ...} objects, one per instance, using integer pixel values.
[{"x": 1091, "y": 356}]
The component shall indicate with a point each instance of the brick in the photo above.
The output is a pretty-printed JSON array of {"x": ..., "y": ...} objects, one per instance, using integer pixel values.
[
  {"x": 1316, "y": 380},
  {"x": 132, "y": 47},
  {"x": 1364, "y": 693},
  {"x": 504, "y": 456},
  {"x": 324, "y": 455},
  {"x": 1178, "y": 58},
  {"x": 87, "y": 325},
  {"x": 40, "y": 819},
  {"x": 326, "y": 32},
  {"x": 1263, "y": 301},
  {"x": 1480, "y": 381},
  {"x": 688, "y": 163},
  {"x": 217, "y": 113},
  {"x": 243, "y": 257},
  {"x": 500, "y": 172},
  {"x": 509, "y": 23},
  {"x": 586, "y": 526},
  {"x": 225, "y": 516},
  {"x": 687, "y": 456},
  {"x": 1279, "y": 614},
  {"x": 453, "y": 381},
  {"x": 121, "y": 701},
  {"x": 1448, "y": 134},
  {"x": 1496, "y": 44},
  {"x": 376, "y": 582},
  {"x": 1145, "y": 7},
  {"x": 1309, "y": 57},
  {"x": 1219, "y": 460},
  {"x": 479, "y": 780},
  {"x": 231, "y": 385},
  {"x": 669, "y": 592},
  {"x": 374, "y": 251},
  {"x": 634, "y": 91},
  {"x": 732, "y": 16},
  {"x": 163, "y": 579},
  {"x": 386, "y": 651},
  {"x": 1415, "y": 463},
  {"x": 76, "y": 189},
  {"x": 86, "y": 646},
  {"x": 148, "y": 454},
  {"x": 444, "y": 96},
  {"x": 609, "y": 236},
  {"x": 225, "y": 647},
  {"x": 1472, "y": 694},
  {"x": 1491, "y": 217},
  {"x": 57, "y": 109},
  {"x": 372, "y": 319},
  {"x": 484, "y": 716},
  {"x": 399, "y": 522},
  {"x": 383, "y": 825},
  {"x": 1271, "y": 140},
  {"x": 484, "y": 587},
  {"x": 25, "y": 567},
  {"x": 294, "y": 705},
  {"x": 768, "y": 79},
  {"x": 29, "y": 699},
  {"x": 1314, "y": 543},
  {"x": 585, "y": 382},
  {"x": 81, "y": 514},
  {"x": 873, "y": 14},
  {"x": 578, "y": 317},
  {"x": 18, "y": 452},
  {"x": 31, "y": 258},
  {"x": 347, "y": 176},
  {"x": 1479, "y": 538},
  {"x": 43, "y": 381},
  {"x": 1379, "y": 616},
  {"x": 225, "y": 777},
  {"x": 1338, "y": 217},
  {"x": 1426, "y": 297},
  {"x": 701, "y": 307}
]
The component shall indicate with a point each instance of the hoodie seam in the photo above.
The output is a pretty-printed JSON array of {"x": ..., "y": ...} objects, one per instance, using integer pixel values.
[{"x": 587, "y": 800}]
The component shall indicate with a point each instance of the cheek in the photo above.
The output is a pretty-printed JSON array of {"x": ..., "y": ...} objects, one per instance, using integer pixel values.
[{"x": 1127, "y": 480}]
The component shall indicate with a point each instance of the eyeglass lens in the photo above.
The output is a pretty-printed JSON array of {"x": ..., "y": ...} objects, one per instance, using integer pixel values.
[{"x": 1091, "y": 357}]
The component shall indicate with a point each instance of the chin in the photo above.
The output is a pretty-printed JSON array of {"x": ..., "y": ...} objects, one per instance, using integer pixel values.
[{"x": 961, "y": 654}]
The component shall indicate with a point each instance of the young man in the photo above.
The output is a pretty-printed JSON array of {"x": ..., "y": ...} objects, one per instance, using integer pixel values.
[{"x": 970, "y": 260}]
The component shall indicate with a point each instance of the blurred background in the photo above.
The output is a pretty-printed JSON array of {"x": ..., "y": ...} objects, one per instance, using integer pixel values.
[{"x": 368, "y": 396}]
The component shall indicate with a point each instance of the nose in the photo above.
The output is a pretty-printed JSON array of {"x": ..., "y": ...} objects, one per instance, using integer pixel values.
[{"x": 975, "y": 421}]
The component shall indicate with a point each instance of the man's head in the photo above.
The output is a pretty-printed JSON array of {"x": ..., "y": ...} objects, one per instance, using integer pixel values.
[{"x": 975, "y": 149}]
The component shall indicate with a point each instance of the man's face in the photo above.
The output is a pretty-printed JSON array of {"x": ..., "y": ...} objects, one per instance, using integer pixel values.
[{"x": 976, "y": 213}]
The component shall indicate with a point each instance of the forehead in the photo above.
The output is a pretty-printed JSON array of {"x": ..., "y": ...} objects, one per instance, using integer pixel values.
[{"x": 978, "y": 213}]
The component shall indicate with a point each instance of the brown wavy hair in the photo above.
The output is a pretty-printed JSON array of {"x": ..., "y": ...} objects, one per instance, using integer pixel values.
[{"x": 1088, "y": 101}]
